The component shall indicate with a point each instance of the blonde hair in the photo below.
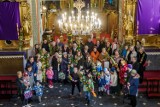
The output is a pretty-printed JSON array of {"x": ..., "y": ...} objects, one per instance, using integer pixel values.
[{"x": 19, "y": 72}]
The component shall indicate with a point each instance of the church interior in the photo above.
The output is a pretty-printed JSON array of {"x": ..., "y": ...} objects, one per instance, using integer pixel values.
[{"x": 108, "y": 49}]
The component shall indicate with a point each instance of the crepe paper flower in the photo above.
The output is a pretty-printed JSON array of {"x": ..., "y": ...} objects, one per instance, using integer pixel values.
[
  {"x": 94, "y": 94},
  {"x": 70, "y": 78}
]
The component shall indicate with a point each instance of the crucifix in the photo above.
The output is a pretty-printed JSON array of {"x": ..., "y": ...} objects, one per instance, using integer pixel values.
[{"x": 79, "y": 4}]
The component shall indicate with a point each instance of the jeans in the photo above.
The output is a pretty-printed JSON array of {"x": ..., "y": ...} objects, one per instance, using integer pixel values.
[{"x": 88, "y": 95}]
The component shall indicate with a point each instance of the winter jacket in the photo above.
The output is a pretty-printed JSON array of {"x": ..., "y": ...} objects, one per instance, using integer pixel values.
[
  {"x": 114, "y": 79},
  {"x": 31, "y": 78},
  {"x": 124, "y": 53},
  {"x": 123, "y": 74},
  {"x": 107, "y": 79},
  {"x": 49, "y": 74},
  {"x": 94, "y": 56},
  {"x": 38, "y": 89},
  {"x": 99, "y": 68},
  {"x": 20, "y": 85},
  {"x": 102, "y": 81},
  {"x": 64, "y": 65},
  {"x": 34, "y": 66},
  {"x": 54, "y": 63},
  {"x": 134, "y": 82}
]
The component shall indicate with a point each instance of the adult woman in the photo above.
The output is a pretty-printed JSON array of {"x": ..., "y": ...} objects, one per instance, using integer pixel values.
[{"x": 95, "y": 54}]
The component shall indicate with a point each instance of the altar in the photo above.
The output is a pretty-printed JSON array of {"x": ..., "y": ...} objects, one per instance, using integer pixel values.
[{"x": 11, "y": 62}]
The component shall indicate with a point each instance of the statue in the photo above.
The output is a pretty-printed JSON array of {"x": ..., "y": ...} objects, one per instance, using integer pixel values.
[
  {"x": 26, "y": 26},
  {"x": 129, "y": 26}
]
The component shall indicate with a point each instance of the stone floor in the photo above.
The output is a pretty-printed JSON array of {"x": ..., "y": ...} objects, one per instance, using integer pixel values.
[{"x": 59, "y": 96}]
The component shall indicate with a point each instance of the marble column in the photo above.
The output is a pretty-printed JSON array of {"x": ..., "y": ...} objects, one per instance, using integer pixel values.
[
  {"x": 120, "y": 32},
  {"x": 36, "y": 21}
]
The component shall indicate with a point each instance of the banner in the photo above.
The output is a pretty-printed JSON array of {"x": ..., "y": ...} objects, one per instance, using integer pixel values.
[
  {"x": 148, "y": 16},
  {"x": 9, "y": 20}
]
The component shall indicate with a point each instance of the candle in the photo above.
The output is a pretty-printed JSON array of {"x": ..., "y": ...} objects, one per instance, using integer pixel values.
[
  {"x": 71, "y": 26},
  {"x": 72, "y": 13},
  {"x": 81, "y": 26}
]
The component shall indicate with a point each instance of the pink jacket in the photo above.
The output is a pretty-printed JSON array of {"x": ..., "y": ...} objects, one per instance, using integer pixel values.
[{"x": 49, "y": 74}]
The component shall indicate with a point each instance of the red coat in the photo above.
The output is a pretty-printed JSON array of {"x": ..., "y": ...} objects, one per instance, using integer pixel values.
[{"x": 122, "y": 74}]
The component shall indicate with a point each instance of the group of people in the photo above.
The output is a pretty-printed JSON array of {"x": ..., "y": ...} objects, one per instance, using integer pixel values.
[{"x": 110, "y": 66}]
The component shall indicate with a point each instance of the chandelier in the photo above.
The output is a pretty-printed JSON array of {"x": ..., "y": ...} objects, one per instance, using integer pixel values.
[{"x": 79, "y": 23}]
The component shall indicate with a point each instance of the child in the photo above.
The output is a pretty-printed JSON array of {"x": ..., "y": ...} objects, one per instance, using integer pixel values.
[
  {"x": 21, "y": 86},
  {"x": 101, "y": 83},
  {"x": 26, "y": 82},
  {"x": 50, "y": 75},
  {"x": 39, "y": 74},
  {"x": 30, "y": 75},
  {"x": 99, "y": 66},
  {"x": 88, "y": 88},
  {"x": 75, "y": 80},
  {"x": 133, "y": 87},
  {"x": 39, "y": 91},
  {"x": 114, "y": 79},
  {"x": 107, "y": 80}
]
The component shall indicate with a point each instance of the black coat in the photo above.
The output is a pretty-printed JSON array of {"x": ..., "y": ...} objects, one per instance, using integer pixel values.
[
  {"x": 141, "y": 58},
  {"x": 54, "y": 63},
  {"x": 135, "y": 66},
  {"x": 90, "y": 46},
  {"x": 46, "y": 47}
]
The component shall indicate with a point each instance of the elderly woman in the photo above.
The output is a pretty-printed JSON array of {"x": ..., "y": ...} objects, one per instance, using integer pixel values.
[{"x": 103, "y": 57}]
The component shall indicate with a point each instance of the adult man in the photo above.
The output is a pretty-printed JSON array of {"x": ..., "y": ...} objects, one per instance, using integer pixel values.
[
  {"x": 142, "y": 57},
  {"x": 90, "y": 45},
  {"x": 135, "y": 64}
]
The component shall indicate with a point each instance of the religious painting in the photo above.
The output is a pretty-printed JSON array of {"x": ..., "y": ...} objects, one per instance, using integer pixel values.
[
  {"x": 110, "y": 5},
  {"x": 52, "y": 4}
]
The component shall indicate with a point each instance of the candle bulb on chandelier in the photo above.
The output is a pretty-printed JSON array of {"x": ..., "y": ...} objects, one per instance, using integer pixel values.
[{"x": 71, "y": 26}]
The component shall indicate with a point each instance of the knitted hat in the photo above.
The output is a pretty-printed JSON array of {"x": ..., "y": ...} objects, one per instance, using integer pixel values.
[
  {"x": 129, "y": 66},
  {"x": 105, "y": 69},
  {"x": 25, "y": 74},
  {"x": 133, "y": 72},
  {"x": 113, "y": 69}
]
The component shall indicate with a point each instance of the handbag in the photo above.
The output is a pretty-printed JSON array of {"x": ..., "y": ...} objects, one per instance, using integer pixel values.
[{"x": 28, "y": 94}]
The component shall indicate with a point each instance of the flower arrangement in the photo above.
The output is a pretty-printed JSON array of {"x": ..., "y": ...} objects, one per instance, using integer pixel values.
[{"x": 70, "y": 78}]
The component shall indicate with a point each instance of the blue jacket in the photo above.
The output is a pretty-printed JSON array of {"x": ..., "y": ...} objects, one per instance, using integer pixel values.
[
  {"x": 38, "y": 89},
  {"x": 101, "y": 81},
  {"x": 124, "y": 53},
  {"x": 134, "y": 82},
  {"x": 99, "y": 68},
  {"x": 34, "y": 66}
]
